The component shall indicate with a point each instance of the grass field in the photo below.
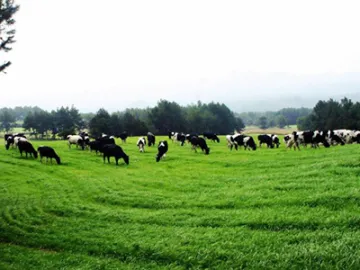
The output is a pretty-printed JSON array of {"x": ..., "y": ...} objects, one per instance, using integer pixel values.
[{"x": 267, "y": 209}]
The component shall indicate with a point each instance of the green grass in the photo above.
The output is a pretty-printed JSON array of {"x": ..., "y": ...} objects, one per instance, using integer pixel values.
[{"x": 268, "y": 209}]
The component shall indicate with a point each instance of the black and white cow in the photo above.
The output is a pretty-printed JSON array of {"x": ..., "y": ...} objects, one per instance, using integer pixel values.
[
  {"x": 162, "y": 150},
  {"x": 113, "y": 150},
  {"x": 211, "y": 136},
  {"x": 48, "y": 152},
  {"x": 141, "y": 144},
  {"x": 275, "y": 140},
  {"x": 77, "y": 140},
  {"x": 231, "y": 142},
  {"x": 266, "y": 139},
  {"x": 292, "y": 141},
  {"x": 190, "y": 135},
  {"x": 25, "y": 146},
  {"x": 199, "y": 142},
  {"x": 171, "y": 134},
  {"x": 151, "y": 139},
  {"x": 181, "y": 137},
  {"x": 245, "y": 140},
  {"x": 335, "y": 139}
]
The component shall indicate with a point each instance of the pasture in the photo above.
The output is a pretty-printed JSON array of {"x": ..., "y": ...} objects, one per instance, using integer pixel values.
[{"x": 267, "y": 209}]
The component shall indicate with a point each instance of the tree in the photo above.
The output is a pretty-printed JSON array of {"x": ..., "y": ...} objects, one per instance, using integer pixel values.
[
  {"x": 167, "y": 116},
  {"x": 7, "y": 33},
  {"x": 39, "y": 122},
  {"x": 100, "y": 123},
  {"x": 281, "y": 121},
  {"x": 7, "y": 119},
  {"x": 66, "y": 121},
  {"x": 262, "y": 122}
]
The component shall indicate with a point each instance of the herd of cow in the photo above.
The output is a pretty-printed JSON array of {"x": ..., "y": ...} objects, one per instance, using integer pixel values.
[{"x": 106, "y": 144}]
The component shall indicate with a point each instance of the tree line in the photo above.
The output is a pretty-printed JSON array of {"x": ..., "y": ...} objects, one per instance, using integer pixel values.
[
  {"x": 332, "y": 114},
  {"x": 281, "y": 118},
  {"x": 165, "y": 116}
]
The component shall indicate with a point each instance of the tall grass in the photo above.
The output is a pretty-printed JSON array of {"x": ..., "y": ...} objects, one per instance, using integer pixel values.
[{"x": 267, "y": 209}]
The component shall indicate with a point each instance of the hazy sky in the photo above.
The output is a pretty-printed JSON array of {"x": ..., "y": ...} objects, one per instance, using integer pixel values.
[{"x": 117, "y": 54}]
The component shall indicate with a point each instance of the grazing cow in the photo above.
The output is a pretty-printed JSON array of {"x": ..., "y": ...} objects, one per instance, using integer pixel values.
[
  {"x": 171, "y": 134},
  {"x": 190, "y": 135},
  {"x": 113, "y": 150},
  {"x": 267, "y": 139},
  {"x": 95, "y": 146},
  {"x": 9, "y": 141},
  {"x": 275, "y": 140},
  {"x": 293, "y": 141},
  {"x": 141, "y": 144},
  {"x": 180, "y": 137},
  {"x": 211, "y": 136},
  {"x": 151, "y": 139},
  {"x": 162, "y": 150},
  {"x": 334, "y": 139},
  {"x": 123, "y": 136},
  {"x": 244, "y": 140},
  {"x": 25, "y": 146},
  {"x": 199, "y": 142},
  {"x": 249, "y": 143},
  {"x": 77, "y": 140},
  {"x": 231, "y": 142},
  {"x": 6, "y": 136},
  {"x": 48, "y": 152}
]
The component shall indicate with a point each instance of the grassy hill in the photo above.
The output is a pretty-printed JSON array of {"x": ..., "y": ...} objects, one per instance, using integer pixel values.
[{"x": 267, "y": 209}]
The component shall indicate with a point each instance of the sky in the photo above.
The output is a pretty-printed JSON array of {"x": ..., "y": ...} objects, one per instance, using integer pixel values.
[{"x": 250, "y": 55}]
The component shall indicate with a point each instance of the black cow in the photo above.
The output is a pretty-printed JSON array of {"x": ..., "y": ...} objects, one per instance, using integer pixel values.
[
  {"x": 190, "y": 135},
  {"x": 25, "y": 146},
  {"x": 170, "y": 134},
  {"x": 162, "y": 150},
  {"x": 113, "y": 150},
  {"x": 123, "y": 136},
  {"x": 211, "y": 136},
  {"x": 106, "y": 140},
  {"x": 95, "y": 146},
  {"x": 264, "y": 138},
  {"x": 151, "y": 139},
  {"x": 199, "y": 142},
  {"x": 48, "y": 152}
]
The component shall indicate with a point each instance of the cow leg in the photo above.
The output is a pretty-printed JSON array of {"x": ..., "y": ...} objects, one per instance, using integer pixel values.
[
  {"x": 108, "y": 158},
  {"x": 117, "y": 160},
  {"x": 104, "y": 158}
]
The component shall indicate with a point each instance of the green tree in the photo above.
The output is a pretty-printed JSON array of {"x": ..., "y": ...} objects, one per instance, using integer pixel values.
[
  {"x": 7, "y": 119},
  {"x": 167, "y": 116},
  {"x": 100, "y": 123},
  {"x": 281, "y": 121},
  {"x": 66, "y": 121},
  {"x": 262, "y": 122},
  {"x": 7, "y": 33}
]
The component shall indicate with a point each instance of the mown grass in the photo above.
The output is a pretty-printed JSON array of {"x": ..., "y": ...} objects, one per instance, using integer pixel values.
[{"x": 268, "y": 209}]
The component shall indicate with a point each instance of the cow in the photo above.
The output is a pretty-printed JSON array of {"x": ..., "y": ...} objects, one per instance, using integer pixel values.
[
  {"x": 141, "y": 144},
  {"x": 293, "y": 141},
  {"x": 77, "y": 140},
  {"x": 150, "y": 138},
  {"x": 123, "y": 136},
  {"x": 211, "y": 136},
  {"x": 267, "y": 139},
  {"x": 162, "y": 150},
  {"x": 190, "y": 135},
  {"x": 244, "y": 140},
  {"x": 334, "y": 138},
  {"x": 48, "y": 152},
  {"x": 95, "y": 146},
  {"x": 275, "y": 140},
  {"x": 230, "y": 142},
  {"x": 113, "y": 150},
  {"x": 199, "y": 142},
  {"x": 180, "y": 137},
  {"x": 171, "y": 134},
  {"x": 9, "y": 141},
  {"x": 25, "y": 146}
]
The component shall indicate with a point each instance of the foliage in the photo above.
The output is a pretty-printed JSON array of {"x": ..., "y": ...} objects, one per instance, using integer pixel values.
[
  {"x": 332, "y": 114},
  {"x": 262, "y": 122},
  {"x": 7, "y": 33},
  {"x": 7, "y": 119}
]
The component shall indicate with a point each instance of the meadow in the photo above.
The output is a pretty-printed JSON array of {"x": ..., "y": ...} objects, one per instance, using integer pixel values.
[{"x": 264, "y": 209}]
